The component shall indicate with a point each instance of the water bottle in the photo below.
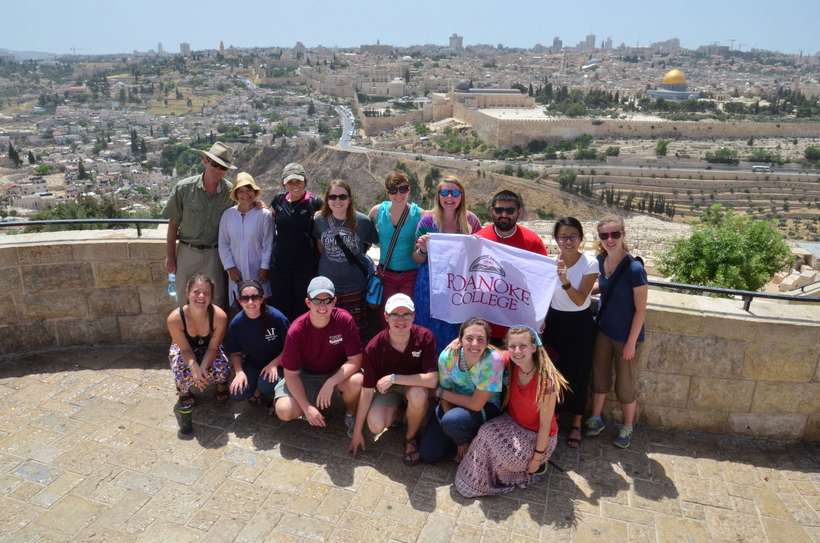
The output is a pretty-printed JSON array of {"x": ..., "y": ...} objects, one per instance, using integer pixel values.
[{"x": 172, "y": 285}]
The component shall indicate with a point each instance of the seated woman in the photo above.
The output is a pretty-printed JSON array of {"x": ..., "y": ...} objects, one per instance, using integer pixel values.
[
  {"x": 256, "y": 339},
  {"x": 470, "y": 376},
  {"x": 510, "y": 449},
  {"x": 196, "y": 354}
]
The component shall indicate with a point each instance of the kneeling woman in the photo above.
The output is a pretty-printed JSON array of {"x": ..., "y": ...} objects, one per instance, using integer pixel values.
[
  {"x": 196, "y": 354},
  {"x": 256, "y": 339},
  {"x": 470, "y": 374},
  {"x": 511, "y": 448}
]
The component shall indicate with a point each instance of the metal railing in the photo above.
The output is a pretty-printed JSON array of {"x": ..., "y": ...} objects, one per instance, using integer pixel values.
[
  {"x": 746, "y": 295},
  {"x": 137, "y": 222}
]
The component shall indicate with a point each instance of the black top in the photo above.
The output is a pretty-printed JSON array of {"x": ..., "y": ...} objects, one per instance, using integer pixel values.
[
  {"x": 294, "y": 247},
  {"x": 198, "y": 341}
]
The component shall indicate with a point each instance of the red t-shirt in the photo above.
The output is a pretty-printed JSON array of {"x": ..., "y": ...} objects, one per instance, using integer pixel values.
[
  {"x": 524, "y": 238},
  {"x": 522, "y": 406},
  {"x": 381, "y": 358},
  {"x": 321, "y": 350}
]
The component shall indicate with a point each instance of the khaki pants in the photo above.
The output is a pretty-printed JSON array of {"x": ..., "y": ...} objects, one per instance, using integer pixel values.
[
  {"x": 191, "y": 261},
  {"x": 608, "y": 353}
]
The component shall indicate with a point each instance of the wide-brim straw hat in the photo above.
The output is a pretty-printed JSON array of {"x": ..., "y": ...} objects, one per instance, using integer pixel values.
[
  {"x": 244, "y": 179},
  {"x": 221, "y": 154}
]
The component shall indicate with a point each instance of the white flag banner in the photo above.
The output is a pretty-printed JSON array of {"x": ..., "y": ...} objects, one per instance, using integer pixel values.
[{"x": 475, "y": 277}]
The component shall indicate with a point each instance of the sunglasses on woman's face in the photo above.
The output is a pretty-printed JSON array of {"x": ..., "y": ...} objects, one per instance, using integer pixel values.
[
  {"x": 404, "y": 189},
  {"x": 250, "y": 297},
  {"x": 340, "y": 197},
  {"x": 444, "y": 193},
  {"x": 606, "y": 235}
]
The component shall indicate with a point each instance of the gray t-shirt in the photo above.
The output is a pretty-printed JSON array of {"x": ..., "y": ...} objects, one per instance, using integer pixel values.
[{"x": 333, "y": 263}]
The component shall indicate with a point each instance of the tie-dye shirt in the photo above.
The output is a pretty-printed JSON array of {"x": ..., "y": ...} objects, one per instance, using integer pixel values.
[{"x": 486, "y": 375}]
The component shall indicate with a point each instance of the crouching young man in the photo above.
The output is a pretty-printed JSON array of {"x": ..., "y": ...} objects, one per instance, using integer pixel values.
[
  {"x": 322, "y": 355},
  {"x": 399, "y": 367}
]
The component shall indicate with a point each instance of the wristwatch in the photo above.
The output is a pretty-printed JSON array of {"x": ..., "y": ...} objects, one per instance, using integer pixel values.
[
  {"x": 566, "y": 286},
  {"x": 392, "y": 378}
]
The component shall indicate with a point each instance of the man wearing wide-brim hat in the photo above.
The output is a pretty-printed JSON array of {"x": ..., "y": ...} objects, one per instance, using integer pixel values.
[{"x": 193, "y": 211}]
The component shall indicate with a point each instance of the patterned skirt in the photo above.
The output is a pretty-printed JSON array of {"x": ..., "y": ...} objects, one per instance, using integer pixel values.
[
  {"x": 218, "y": 373},
  {"x": 497, "y": 460}
]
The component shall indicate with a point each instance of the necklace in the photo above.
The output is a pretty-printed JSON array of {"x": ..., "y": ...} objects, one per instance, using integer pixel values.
[
  {"x": 502, "y": 236},
  {"x": 522, "y": 372}
]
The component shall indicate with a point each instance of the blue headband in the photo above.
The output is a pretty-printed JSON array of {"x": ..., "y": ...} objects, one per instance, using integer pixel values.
[{"x": 535, "y": 334}]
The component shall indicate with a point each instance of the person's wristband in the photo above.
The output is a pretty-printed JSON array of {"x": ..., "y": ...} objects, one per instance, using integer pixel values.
[
  {"x": 566, "y": 286},
  {"x": 422, "y": 251},
  {"x": 392, "y": 378},
  {"x": 536, "y": 451}
]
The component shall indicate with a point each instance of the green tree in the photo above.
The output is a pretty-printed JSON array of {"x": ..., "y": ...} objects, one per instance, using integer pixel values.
[
  {"x": 31, "y": 158},
  {"x": 14, "y": 156},
  {"x": 81, "y": 173},
  {"x": 661, "y": 147},
  {"x": 311, "y": 110},
  {"x": 812, "y": 153},
  {"x": 613, "y": 151},
  {"x": 727, "y": 250}
]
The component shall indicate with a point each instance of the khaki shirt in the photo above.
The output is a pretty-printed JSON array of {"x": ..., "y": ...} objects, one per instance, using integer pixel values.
[{"x": 196, "y": 211}]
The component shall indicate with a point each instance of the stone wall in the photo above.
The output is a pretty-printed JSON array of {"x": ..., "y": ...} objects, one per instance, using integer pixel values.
[
  {"x": 82, "y": 293},
  {"x": 509, "y": 132},
  {"x": 706, "y": 364}
]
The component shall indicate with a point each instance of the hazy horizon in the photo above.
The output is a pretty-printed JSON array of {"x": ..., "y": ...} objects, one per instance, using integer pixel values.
[{"x": 116, "y": 26}]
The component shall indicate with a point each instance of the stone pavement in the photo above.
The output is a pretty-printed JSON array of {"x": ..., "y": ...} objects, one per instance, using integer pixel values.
[{"x": 88, "y": 452}]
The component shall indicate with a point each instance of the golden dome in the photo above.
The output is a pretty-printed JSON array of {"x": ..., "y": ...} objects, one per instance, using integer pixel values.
[{"x": 674, "y": 77}]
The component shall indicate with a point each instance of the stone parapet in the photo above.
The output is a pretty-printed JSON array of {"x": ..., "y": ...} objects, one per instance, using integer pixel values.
[
  {"x": 89, "y": 292},
  {"x": 705, "y": 365}
]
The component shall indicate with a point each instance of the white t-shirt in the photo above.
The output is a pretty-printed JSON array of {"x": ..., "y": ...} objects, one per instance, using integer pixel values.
[{"x": 586, "y": 265}]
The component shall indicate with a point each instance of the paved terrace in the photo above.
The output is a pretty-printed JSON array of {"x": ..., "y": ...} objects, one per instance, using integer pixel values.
[{"x": 88, "y": 452}]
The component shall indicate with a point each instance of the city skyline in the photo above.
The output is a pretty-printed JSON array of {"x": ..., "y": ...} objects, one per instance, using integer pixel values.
[{"x": 120, "y": 27}]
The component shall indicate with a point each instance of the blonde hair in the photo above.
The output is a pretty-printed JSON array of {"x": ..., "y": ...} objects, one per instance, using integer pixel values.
[
  {"x": 611, "y": 219},
  {"x": 550, "y": 379},
  {"x": 461, "y": 211}
]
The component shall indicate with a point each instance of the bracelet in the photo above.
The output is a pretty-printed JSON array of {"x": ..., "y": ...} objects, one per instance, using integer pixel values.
[
  {"x": 392, "y": 378},
  {"x": 566, "y": 286},
  {"x": 421, "y": 251},
  {"x": 536, "y": 451}
]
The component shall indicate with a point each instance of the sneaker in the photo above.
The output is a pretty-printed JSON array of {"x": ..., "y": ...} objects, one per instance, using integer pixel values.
[
  {"x": 350, "y": 424},
  {"x": 624, "y": 439},
  {"x": 594, "y": 426},
  {"x": 185, "y": 419}
]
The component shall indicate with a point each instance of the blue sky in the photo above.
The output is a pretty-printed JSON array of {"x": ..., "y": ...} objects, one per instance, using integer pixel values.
[{"x": 110, "y": 26}]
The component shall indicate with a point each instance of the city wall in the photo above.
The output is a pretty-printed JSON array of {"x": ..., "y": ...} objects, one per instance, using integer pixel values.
[
  {"x": 706, "y": 365},
  {"x": 429, "y": 113},
  {"x": 509, "y": 132}
]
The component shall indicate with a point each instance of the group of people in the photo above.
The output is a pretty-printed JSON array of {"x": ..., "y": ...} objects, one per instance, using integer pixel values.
[{"x": 301, "y": 335}]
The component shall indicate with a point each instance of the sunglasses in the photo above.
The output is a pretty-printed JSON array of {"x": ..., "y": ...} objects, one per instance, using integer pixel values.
[
  {"x": 340, "y": 197},
  {"x": 250, "y": 297},
  {"x": 404, "y": 189},
  {"x": 217, "y": 165},
  {"x": 568, "y": 239},
  {"x": 606, "y": 235},
  {"x": 322, "y": 301},
  {"x": 444, "y": 193},
  {"x": 401, "y": 315},
  {"x": 505, "y": 210}
]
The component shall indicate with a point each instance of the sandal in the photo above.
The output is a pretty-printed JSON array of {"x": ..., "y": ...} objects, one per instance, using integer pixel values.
[
  {"x": 574, "y": 442},
  {"x": 221, "y": 395},
  {"x": 411, "y": 457}
]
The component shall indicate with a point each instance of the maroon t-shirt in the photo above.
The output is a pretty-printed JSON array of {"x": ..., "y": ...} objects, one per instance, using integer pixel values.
[
  {"x": 524, "y": 238},
  {"x": 381, "y": 358},
  {"x": 321, "y": 350}
]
